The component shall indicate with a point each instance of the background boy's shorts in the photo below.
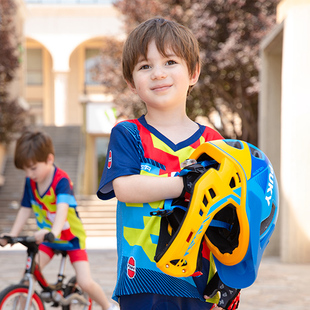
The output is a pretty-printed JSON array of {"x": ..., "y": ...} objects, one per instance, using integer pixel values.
[
  {"x": 75, "y": 255},
  {"x": 161, "y": 302}
]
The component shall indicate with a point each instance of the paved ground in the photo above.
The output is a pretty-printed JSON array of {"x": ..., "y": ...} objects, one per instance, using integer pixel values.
[{"x": 278, "y": 286}]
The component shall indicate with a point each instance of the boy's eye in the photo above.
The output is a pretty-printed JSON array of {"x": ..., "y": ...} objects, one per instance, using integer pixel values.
[
  {"x": 170, "y": 62},
  {"x": 144, "y": 67}
]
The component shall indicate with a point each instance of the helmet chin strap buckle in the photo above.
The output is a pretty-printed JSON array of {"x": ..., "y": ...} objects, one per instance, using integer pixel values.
[{"x": 161, "y": 212}]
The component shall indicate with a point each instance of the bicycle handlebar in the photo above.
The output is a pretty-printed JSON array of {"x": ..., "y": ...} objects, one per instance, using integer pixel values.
[{"x": 29, "y": 239}]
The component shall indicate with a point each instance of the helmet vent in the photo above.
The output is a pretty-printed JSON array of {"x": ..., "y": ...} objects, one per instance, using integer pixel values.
[
  {"x": 234, "y": 143},
  {"x": 205, "y": 201},
  {"x": 267, "y": 221},
  {"x": 238, "y": 177},
  {"x": 212, "y": 193},
  {"x": 232, "y": 183},
  {"x": 256, "y": 153}
]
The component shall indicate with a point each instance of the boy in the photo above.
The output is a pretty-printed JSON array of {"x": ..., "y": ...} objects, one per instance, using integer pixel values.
[
  {"x": 161, "y": 64},
  {"x": 49, "y": 192}
]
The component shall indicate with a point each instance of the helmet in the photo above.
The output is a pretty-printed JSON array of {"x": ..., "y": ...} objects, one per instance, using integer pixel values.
[{"x": 233, "y": 208}]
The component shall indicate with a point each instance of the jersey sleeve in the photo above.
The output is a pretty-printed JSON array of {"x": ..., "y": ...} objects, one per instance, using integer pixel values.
[
  {"x": 26, "y": 200},
  {"x": 64, "y": 193},
  {"x": 123, "y": 157}
]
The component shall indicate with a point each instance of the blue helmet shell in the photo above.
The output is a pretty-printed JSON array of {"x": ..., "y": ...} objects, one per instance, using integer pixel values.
[{"x": 262, "y": 208}]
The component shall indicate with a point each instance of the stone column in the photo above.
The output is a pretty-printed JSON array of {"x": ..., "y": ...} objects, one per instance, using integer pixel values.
[{"x": 60, "y": 97}]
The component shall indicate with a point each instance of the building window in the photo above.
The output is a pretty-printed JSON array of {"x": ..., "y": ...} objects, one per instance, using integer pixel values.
[
  {"x": 34, "y": 66},
  {"x": 36, "y": 112},
  {"x": 92, "y": 59}
]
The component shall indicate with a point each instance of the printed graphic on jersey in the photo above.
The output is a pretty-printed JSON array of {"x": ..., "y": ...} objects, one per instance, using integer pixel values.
[
  {"x": 131, "y": 267},
  {"x": 110, "y": 160}
]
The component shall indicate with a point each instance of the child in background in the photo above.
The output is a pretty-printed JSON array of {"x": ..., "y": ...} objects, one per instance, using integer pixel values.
[
  {"x": 161, "y": 64},
  {"x": 49, "y": 193}
]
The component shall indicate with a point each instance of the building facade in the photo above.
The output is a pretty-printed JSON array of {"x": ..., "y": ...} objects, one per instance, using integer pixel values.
[
  {"x": 284, "y": 123},
  {"x": 63, "y": 40}
]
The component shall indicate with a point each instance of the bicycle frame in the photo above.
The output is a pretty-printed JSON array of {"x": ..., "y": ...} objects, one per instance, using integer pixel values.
[
  {"x": 51, "y": 292},
  {"x": 33, "y": 272}
]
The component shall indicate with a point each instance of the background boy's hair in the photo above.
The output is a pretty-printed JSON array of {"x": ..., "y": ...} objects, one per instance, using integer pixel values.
[
  {"x": 167, "y": 34},
  {"x": 32, "y": 147}
]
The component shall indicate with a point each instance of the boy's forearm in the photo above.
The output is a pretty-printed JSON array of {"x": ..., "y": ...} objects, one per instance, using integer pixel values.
[
  {"x": 60, "y": 219},
  {"x": 21, "y": 219},
  {"x": 143, "y": 189}
]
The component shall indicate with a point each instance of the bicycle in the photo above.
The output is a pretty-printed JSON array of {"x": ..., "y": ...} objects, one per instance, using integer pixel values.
[{"x": 23, "y": 296}]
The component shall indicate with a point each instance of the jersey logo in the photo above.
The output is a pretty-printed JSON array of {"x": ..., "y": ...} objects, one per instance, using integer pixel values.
[
  {"x": 131, "y": 268},
  {"x": 110, "y": 160}
]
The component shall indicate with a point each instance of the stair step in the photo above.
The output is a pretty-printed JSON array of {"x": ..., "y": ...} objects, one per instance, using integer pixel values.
[{"x": 99, "y": 220}]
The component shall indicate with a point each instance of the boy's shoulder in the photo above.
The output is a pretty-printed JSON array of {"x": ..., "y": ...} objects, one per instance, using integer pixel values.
[
  {"x": 131, "y": 126},
  {"x": 61, "y": 175}
]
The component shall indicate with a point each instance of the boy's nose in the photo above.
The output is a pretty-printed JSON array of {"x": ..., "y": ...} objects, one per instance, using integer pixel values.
[
  {"x": 28, "y": 173},
  {"x": 158, "y": 73}
]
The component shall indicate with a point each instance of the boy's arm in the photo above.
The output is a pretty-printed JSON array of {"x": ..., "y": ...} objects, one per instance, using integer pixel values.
[
  {"x": 59, "y": 222},
  {"x": 142, "y": 189},
  {"x": 60, "y": 219},
  {"x": 21, "y": 219}
]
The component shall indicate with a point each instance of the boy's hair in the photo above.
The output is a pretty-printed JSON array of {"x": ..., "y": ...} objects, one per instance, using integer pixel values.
[
  {"x": 167, "y": 34},
  {"x": 32, "y": 147}
]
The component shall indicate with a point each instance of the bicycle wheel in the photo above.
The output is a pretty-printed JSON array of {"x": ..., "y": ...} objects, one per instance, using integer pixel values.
[
  {"x": 14, "y": 298},
  {"x": 82, "y": 303}
]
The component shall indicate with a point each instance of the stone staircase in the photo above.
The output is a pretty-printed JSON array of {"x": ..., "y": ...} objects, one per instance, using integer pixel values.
[{"x": 97, "y": 216}]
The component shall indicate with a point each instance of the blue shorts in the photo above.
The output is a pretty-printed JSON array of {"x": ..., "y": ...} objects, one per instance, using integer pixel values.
[{"x": 161, "y": 302}]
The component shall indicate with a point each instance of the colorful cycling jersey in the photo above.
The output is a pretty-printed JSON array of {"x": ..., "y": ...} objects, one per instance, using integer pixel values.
[
  {"x": 73, "y": 235},
  {"x": 138, "y": 148}
]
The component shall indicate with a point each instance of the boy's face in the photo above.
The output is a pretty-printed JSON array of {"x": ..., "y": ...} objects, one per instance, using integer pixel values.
[
  {"x": 40, "y": 171},
  {"x": 162, "y": 82}
]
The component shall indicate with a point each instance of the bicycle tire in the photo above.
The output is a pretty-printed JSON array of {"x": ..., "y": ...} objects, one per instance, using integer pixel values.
[
  {"x": 73, "y": 287},
  {"x": 12, "y": 295}
]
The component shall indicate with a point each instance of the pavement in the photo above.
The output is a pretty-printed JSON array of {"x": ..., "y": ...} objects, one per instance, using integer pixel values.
[{"x": 279, "y": 286}]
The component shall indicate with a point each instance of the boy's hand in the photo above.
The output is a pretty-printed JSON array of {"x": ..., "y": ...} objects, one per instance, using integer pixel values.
[
  {"x": 39, "y": 235},
  {"x": 3, "y": 241},
  {"x": 190, "y": 175},
  {"x": 229, "y": 299}
]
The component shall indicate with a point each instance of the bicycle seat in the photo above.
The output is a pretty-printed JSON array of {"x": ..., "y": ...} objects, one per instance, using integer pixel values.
[{"x": 63, "y": 245}]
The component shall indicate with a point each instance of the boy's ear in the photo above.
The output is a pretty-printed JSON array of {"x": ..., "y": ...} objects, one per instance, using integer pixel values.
[
  {"x": 195, "y": 76},
  {"x": 50, "y": 158},
  {"x": 131, "y": 86}
]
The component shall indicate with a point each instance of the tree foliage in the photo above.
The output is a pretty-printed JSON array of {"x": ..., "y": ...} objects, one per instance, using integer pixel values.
[
  {"x": 229, "y": 33},
  {"x": 11, "y": 113}
]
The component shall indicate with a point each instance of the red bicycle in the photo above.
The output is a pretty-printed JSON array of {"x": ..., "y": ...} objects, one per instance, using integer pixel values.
[{"x": 23, "y": 296}]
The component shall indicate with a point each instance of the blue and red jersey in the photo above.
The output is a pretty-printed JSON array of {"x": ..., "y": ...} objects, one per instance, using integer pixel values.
[
  {"x": 137, "y": 148},
  {"x": 72, "y": 236}
]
